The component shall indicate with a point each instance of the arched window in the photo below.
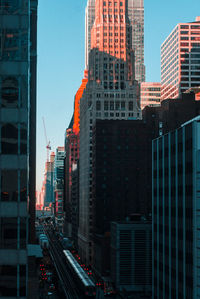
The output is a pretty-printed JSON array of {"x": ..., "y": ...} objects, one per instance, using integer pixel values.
[{"x": 10, "y": 92}]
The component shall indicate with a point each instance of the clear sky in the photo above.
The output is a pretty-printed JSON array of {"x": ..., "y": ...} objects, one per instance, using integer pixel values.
[{"x": 61, "y": 33}]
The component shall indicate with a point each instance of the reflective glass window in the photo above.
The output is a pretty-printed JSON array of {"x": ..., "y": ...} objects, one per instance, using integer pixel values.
[
  {"x": 8, "y": 281},
  {"x": 9, "y": 92},
  {"x": 8, "y": 233},
  {"x": 9, "y": 139},
  {"x": 9, "y": 191}
]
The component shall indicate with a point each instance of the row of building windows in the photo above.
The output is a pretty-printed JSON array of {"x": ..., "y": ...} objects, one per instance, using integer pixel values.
[
  {"x": 111, "y": 4},
  {"x": 113, "y": 95},
  {"x": 110, "y": 34},
  {"x": 117, "y": 114},
  {"x": 113, "y": 105},
  {"x": 110, "y": 10}
]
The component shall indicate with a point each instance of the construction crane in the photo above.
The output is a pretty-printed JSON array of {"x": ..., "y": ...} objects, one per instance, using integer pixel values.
[{"x": 48, "y": 147}]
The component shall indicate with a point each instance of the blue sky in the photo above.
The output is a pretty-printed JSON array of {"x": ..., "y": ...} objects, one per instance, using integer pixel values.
[{"x": 61, "y": 31}]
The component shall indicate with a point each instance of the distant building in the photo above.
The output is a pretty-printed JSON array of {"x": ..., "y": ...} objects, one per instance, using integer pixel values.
[
  {"x": 131, "y": 257},
  {"x": 180, "y": 63},
  {"x": 72, "y": 155},
  {"x": 49, "y": 181},
  {"x": 176, "y": 212},
  {"x": 59, "y": 185},
  {"x": 136, "y": 17},
  {"x": 150, "y": 93},
  {"x": 89, "y": 21}
]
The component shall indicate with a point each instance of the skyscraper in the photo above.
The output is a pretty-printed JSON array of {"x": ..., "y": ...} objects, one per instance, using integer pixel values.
[
  {"x": 136, "y": 17},
  {"x": 180, "y": 63},
  {"x": 89, "y": 20},
  {"x": 17, "y": 145},
  {"x": 110, "y": 94},
  {"x": 176, "y": 214},
  {"x": 59, "y": 185}
]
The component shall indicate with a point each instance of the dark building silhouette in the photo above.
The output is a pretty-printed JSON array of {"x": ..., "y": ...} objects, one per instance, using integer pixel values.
[
  {"x": 18, "y": 59},
  {"x": 171, "y": 114},
  {"x": 121, "y": 169}
]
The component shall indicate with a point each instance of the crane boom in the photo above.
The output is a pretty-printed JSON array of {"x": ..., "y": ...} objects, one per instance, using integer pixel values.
[{"x": 48, "y": 147}]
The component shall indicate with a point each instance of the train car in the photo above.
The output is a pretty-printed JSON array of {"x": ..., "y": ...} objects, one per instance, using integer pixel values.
[
  {"x": 83, "y": 280},
  {"x": 43, "y": 241}
]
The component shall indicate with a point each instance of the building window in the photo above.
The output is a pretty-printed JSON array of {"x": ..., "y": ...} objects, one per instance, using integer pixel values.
[
  {"x": 130, "y": 106},
  {"x": 122, "y": 105},
  {"x": 10, "y": 92},
  {"x": 23, "y": 185},
  {"x": 11, "y": 46},
  {"x": 117, "y": 105},
  {"x": 8, "y": 233},
  {"x": 8, "y": 281},
  {"x": 106, "y": 105},
  {"x": 23, "y": 138},
  {"x": 98, "y": 105},
  {"x": 9, "y": 192},
  {"x": 22, "y": 272},
  {"x": 111, "y": 105},
  {"x": 23, "y": 231},
  {"x": 9, "y": 139}
]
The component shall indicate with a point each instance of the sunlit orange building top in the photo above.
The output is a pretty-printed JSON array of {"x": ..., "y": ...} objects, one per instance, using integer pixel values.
[
  {"x": 78, "y": 96},
  {"x": 108, "y": 33}
]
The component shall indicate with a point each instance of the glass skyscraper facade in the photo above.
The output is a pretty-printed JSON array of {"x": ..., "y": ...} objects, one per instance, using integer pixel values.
[
  {"x": 176, "y": 213},
  {"x": 18, "y": 21}
]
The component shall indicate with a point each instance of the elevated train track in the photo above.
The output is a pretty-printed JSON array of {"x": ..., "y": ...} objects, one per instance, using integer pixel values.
[{"x": 69, "y": 287}]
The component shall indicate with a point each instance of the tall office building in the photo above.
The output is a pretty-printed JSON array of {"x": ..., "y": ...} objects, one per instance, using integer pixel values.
[
  {"x": 89, "y": 20},
  {"x": 180, "y": 63},
  {"x": 59, "y": 185},
  {"x": 110, "y": 94},
  {"x": 136, "y": 17},
  {"x": 176, "y": 213},
  {"x": 49, "y": 181},
  {"x": 17, "y": 145}
]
